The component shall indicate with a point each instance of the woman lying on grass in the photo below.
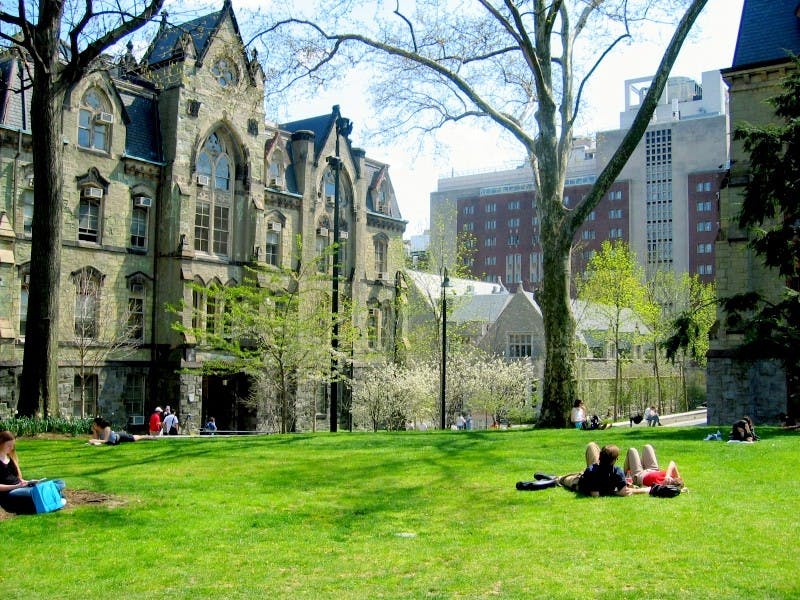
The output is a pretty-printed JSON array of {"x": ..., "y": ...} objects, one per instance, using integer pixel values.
[{"x": 102, "y": 434}]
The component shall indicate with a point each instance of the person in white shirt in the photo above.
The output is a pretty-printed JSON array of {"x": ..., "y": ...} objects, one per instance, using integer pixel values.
[{"x": 171, "y": 424}]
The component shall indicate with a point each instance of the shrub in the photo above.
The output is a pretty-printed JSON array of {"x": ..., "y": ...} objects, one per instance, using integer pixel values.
[{"x": 27, "y": 426}]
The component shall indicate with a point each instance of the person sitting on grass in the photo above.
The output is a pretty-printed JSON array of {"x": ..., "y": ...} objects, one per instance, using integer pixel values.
[
  {"x": 15, "y": 491},
  {"x": 645, "y": 472},
  {"x": 601, "y": 477},
  {"x": 651, "y": 416},
  {"x": 102, "y": 434}
]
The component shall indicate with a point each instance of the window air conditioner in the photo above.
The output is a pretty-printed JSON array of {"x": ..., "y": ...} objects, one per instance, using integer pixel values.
[
  {"x": 142, "y": 201},
  {"x": 30, "y": 181},
  {"x": 343, "y": 235},
  {"x": 104, "y": 117},
  {"x": 322, "y": 231},
  {"x": 380, "y": 277},
  {"x": 203, "y": 179},
  {"x": 92, "y": 192},
  {"x": 273, "y": 226},
  {"x": 374, "y": 312}
]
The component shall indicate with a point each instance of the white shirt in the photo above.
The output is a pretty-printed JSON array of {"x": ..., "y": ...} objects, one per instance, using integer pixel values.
[{"x": 170, "y": 421}]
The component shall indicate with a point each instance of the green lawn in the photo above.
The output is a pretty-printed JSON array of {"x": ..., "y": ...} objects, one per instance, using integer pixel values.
[{"x": 405, "y": 515}]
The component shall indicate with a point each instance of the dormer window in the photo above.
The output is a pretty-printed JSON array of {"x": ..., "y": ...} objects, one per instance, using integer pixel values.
[{"x": 94, "y": 121}]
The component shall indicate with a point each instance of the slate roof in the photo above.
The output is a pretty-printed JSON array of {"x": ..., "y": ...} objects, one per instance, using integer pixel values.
[
  {"x": 768, "y": 29},
  {"x": 143, "y": 131},
  {"x": 321, "y": 126},
  {"x": 200, "y": 31},
  {"x": 12, "y": 98}
]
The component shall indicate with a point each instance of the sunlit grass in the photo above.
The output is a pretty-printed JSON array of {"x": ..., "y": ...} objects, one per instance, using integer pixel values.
[{"x": 405, "y": 515}]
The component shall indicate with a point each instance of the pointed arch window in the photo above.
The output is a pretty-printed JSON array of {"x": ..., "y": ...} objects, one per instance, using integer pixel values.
[
  {"x": 215, "y": 176},
  {"x": 94, "y": 121}
]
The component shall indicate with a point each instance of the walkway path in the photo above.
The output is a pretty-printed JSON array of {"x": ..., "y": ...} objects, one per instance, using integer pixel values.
[{"x": 685, "y": 419}]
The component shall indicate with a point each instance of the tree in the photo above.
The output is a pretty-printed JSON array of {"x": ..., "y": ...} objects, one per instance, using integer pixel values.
[
  {"x": 614, "y": 284},
  {"x": 100, "y": 331},
  {"x": 513, "y": 63},
  {"x": 270, "y": 327},
  {"x": 692, "y": 316},
  {"x": 57, "y": 64},
  {"x": 771, "y": 213}
]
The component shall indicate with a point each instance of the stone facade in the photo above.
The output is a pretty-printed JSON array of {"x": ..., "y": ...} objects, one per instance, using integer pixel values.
[
  {"x": 757, "y": 388},
  {"x": 172, "y": 179}
]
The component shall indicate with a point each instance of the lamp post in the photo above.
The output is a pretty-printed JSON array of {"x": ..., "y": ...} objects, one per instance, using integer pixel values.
[
  {"x": 443, "y": 382},
  {"x": 343, "y": 128}
]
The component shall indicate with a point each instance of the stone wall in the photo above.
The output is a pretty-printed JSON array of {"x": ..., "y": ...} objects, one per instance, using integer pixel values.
[{"x": 735, "y": 389}]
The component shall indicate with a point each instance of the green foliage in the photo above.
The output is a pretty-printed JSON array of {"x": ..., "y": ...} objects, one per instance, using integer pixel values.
[
  {"x": 30, "y": 426},
  {"x": 407, "y": 515},
  {"x": 691, "y": 326}
]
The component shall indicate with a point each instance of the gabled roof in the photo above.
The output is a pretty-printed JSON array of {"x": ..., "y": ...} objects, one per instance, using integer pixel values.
[
  {"x": 321, "y": 126},
  {"x": 200, "y": 31},
  {"x": 767, "y": 31},
  {"x": 143, "y": 131}
]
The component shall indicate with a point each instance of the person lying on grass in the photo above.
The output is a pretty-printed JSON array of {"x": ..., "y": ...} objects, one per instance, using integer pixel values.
[
  {"x": 601, "y": 477},
  {"x": 644, "y": 469},
  {"x": 102, "y": 434}
]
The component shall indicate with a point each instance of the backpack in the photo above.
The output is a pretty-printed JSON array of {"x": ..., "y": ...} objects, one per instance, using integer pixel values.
[{"x": 661, "y": 490}]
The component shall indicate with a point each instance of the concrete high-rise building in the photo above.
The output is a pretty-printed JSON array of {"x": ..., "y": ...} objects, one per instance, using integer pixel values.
[{"x": 664, "y": 203}]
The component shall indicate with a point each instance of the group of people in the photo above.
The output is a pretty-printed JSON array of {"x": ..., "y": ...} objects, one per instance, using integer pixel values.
[
  {"x": 602, "y": 476},
  {"x": 169, "y": 425},
  {"x": 580, "y": 420},
  {"x": 16, "y": 492}
]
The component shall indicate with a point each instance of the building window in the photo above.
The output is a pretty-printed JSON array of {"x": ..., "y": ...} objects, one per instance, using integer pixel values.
[
  {"x": 490, "y": 261},
  {"x": 588, "y": 234},
  {"x": 705, "y": 269},
  {"x": 373, "y": 323},
  {"x": 513, "y": 268},
  {"x": 89, "y": 215},
  {"x": 491, "y": 207},
  {"x": 94, "y": 121},
  {"x": 276, "y": 169},
  {"x": 212, "y": 210},
  {"x": 136, "y": 296},
  {"x": 87, "y": 303},
  {"x": 24, "y": 286},
  {"x": 139, "y": 228},
  {"x": 615, "y": 233},
  {"x": 705, "y": 248},
  {"x": 513, "y": 205},
  {"x": 380, "y": 245},
  {"x": 469, "y": 210},
  {"x": 27, "y": 212},
  {"x": 134, "y": 398},
  {"x": 469, "y": 226},
  {"x": 513, "y": 222},
  {"x": 491, "y": 224},
  {"x": 513, "y": 240},
  {"x": 224, "y": 73},
  {"x": 84, "y": 396},
  {"x": 520, "y": 345},
  {"x": 490, "y": 242},
  {"x": 704, "y": 226},
  {"x": 704, "y": 206},
  {"x": 615, "y": 213},
  {"x": 272, "y": 248}
]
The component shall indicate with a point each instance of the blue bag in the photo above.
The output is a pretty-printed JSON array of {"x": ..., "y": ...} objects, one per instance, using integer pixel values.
[{"x": 46, "y": 497}]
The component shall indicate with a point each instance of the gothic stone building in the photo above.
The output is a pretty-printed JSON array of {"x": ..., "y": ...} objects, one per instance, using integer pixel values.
[
  {"x": 173, "y": 179},
  {"x": 769, "y": 29}
]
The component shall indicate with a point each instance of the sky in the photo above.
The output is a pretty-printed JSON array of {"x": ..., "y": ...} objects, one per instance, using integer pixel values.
[{"x": 462, "y": 148}]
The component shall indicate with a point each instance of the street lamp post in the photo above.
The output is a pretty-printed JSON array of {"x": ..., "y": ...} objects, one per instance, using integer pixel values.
[
  {"x": 343, "y": 128},
  {"x": 443, "y": 382}
]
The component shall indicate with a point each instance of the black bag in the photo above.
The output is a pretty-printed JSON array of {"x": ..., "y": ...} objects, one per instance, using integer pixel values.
[
  {"x": 665, "y": 491},
  {"x": 532, "y": 486}
]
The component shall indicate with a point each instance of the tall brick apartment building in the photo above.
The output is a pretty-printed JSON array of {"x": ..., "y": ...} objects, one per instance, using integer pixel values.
[
  {"x": 173, "y": 177},
  {"x": 664, "y": 203}
]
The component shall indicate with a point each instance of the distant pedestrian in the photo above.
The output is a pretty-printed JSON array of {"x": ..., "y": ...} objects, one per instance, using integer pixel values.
[
  {"x": 651, "y": 416},
  {"x": 155, "y": 421},
  {"x": 211, "y": 426},
  {"x": 578, "y": 414},
  {"x": 171, "y": 424},
  {"x": 461, "y": 422}
]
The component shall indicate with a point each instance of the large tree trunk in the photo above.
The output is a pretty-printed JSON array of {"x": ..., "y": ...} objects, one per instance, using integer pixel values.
[{"x": 40, "y": 359}]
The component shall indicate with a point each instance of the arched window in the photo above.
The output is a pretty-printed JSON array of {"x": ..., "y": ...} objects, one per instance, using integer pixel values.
[
  {"x": 136, "y": 301},
  {"x": 94, "y": 121},
  {"x": 214, "y": 198},
  {"x": 272, "y": 243},
  {"x": 276, "y": 169},
  {"x": 88, "y": 291}
]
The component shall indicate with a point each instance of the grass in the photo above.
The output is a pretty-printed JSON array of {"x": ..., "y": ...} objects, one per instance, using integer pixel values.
[{"x": 405, "y": 515}]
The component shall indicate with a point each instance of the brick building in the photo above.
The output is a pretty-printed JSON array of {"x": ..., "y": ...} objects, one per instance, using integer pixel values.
[
  {"x": 173, "y": 178},
  {"x": 663, "y": 203}
]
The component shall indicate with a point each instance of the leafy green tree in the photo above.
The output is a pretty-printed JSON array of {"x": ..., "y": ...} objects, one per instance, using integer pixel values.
[
  {"x": 515, "y": 65},
  {"x": 691, "y": 312},
  {"x": 270, "y": 327},
  {"x": 59, "y": 43},
  {"x": 771, "y": 213},
  {"x": 614, "y": 284}
]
